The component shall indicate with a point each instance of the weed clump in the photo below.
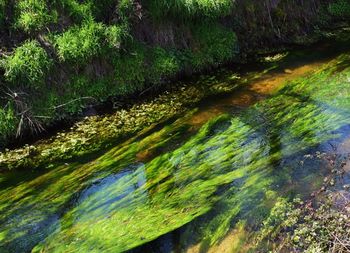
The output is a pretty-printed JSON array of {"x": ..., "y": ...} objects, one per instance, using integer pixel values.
[{"x": 28, "y": 65}]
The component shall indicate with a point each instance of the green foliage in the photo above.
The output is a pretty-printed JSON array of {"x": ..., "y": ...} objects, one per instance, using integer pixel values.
[
  {"x": 164, "y": 63},
  {"x": 33, "y": 15},
  {"x": 80, "y": 43},
  {"x": 125, "y": 8},
  {"x": 340, "y": 8},
  {"x": 129, "y": 69},
  {"x": 143, "y": 65},
  {"x": 215, "y": 44},
  {"x": 282, "y": 215},
  {"x": 82, "y": 11},
  {"x": 2, "y": 12},
  {"x": 28, "y": 65},
  {"x": 8, "y": 122},
  {"x": 193, "y": 8},
  {"x": 114, "y": 35},
  {"x": 79, "y": 11}
]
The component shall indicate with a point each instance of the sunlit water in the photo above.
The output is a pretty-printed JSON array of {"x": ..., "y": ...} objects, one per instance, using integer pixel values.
[{"x": 202, "y": 182}]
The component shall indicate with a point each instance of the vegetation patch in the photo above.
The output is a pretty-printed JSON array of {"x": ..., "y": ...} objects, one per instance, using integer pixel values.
[{"x": 28, "y": 65}]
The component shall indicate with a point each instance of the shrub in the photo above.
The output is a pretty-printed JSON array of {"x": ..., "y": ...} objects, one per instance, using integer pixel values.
[
  {"x": 88, "y": 10},
  {"x": 125, "y": 8},
  {"x": 28, "y": 65},
  {"x": 33, "y": 15}
]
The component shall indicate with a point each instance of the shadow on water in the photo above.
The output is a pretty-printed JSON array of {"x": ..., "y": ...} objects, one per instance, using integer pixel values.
[{"x": 191, "y": 182}]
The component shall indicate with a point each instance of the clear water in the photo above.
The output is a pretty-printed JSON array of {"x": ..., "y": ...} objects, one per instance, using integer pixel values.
[{"x": 201, "y": 183}]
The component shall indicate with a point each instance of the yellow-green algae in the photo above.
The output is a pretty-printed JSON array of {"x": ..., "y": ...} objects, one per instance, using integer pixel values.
[{"x": 232, "y": 169}]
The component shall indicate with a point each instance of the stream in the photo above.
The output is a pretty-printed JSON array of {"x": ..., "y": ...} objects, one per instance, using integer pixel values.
[{"x": 202, "y": 182}]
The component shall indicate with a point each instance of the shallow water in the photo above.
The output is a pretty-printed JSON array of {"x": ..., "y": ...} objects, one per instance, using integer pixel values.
[{"x": 203, "y": 182}]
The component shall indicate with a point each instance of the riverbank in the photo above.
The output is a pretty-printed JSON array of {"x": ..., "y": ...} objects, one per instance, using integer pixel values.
[
  {"x": 59, "y": 58},
  {"x": 98, "y": 133},
  {"x": 212, "y": 179}
]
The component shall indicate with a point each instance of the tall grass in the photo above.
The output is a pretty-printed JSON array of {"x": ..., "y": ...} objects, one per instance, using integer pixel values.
[{"x": 28, "y": 65}]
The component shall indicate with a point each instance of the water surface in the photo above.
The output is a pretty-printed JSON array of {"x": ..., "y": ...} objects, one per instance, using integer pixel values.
[{"x": 201, "y": 182}]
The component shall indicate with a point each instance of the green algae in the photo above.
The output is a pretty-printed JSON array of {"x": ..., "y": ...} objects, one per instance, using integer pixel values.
[
  {"x": 99, "y": 132},
  {"x": 232, "y": 169}
]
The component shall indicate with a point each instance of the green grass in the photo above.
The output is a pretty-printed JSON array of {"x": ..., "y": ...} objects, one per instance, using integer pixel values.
[
  {"x": 33, "y": 15},
  {"x": 28, "y": 65},
  {"x": 186, "y": 9},
  {"x": 214, "y": 44},
  {"x": 80, "y": 43},
  {"x": 8, "y": 123}
]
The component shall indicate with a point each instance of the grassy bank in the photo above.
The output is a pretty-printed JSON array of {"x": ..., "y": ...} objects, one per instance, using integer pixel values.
[{"x": 60, "y": 57}]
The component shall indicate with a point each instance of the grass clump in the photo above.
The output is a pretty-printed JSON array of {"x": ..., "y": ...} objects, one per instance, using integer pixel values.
[
  {"x": 33, "y": 15},
  {"x": 80, "y": 43},
  {"x": 194, "y": 8},
  {"x": 28, "y": 65},
  {"x": 84, "y": 42},
  {"x": 77, "y": 11}
]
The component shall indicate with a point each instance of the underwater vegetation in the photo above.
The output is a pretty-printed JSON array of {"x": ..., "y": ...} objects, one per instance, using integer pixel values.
[
  {"x": 226, "y": 175},
  {"x": 60, "y": 57}
]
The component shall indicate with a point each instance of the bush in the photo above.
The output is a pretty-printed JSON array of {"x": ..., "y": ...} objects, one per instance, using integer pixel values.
[
  {"x": 340, "y": 9},
  {"x": 33, "y": 15},
  {"x": 28, "y": 65},
  {"x": 88, "y": 10}
]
